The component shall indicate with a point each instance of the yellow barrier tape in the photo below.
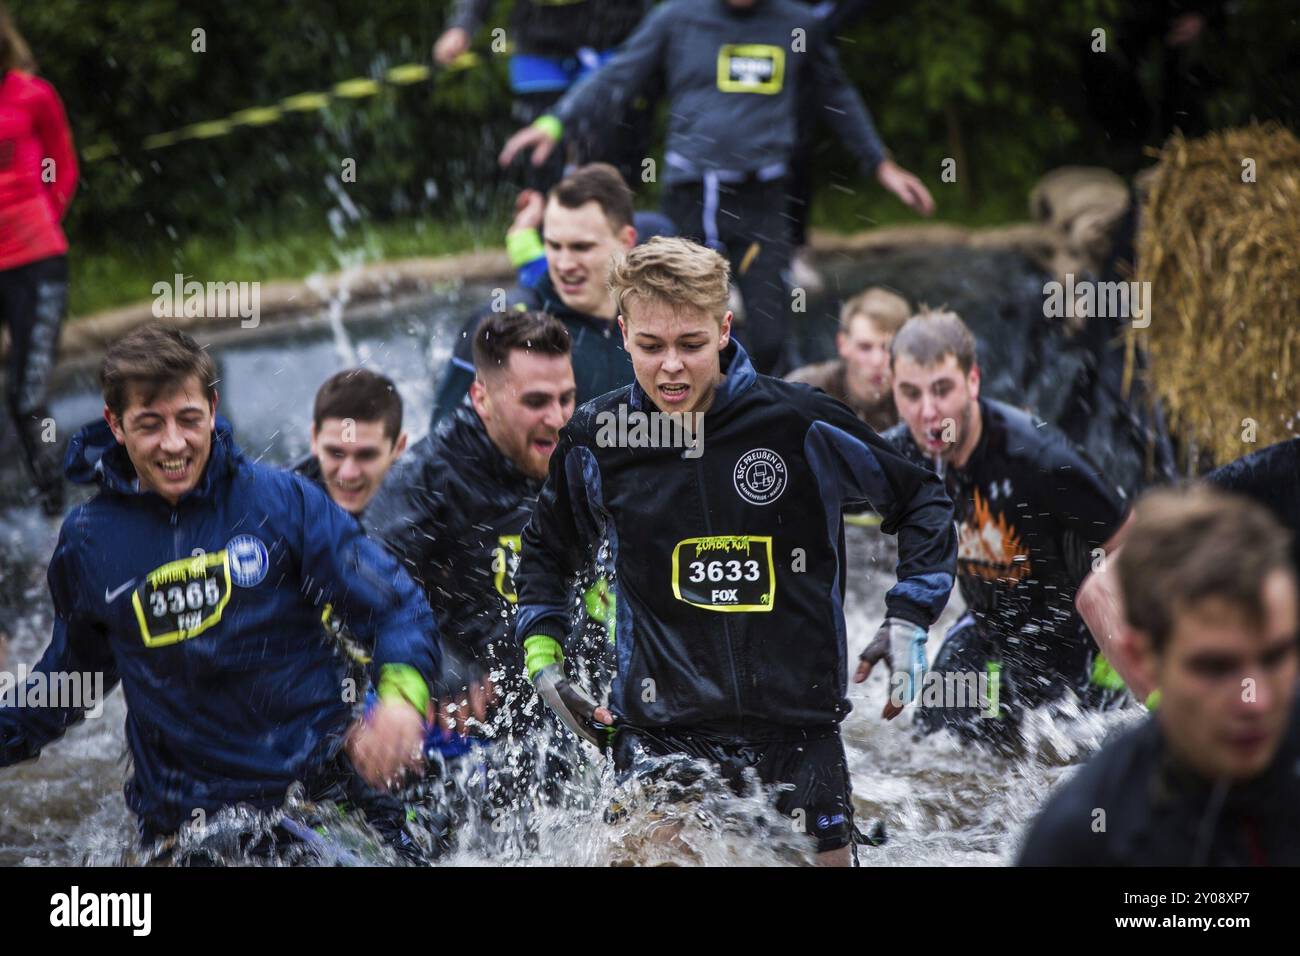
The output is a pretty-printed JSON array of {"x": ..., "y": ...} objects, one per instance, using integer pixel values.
[{"x": 404, "y": 74}]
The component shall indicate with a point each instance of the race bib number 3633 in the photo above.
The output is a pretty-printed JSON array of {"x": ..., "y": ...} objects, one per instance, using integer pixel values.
[
  {"x": 725, "y": 573},
  {"x": 182, "y": 599}
]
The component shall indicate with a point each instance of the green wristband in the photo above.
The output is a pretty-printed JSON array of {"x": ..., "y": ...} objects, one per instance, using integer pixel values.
[
  {"x": 403, "y": 682},
  {"x": 524, "y": 246},
  {"x": 541, "y": 650},
  {"x": 1153, "y": 699},
  {"x": 550, "y": 125}
]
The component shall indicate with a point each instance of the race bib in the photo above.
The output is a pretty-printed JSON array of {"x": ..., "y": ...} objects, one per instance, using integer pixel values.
[
  {"x": 505, "y": 559},
  {"x": 725, "y": 573},
  {"x": 182, "y": 599},
  {"x": 750, "y": 68}
]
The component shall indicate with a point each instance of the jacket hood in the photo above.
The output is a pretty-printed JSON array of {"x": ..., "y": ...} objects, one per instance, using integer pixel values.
[{"x": 94, "y": 455}]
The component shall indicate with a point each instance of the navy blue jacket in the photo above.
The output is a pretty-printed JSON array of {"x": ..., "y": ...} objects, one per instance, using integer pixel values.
[{"x": 209, "y": 614}]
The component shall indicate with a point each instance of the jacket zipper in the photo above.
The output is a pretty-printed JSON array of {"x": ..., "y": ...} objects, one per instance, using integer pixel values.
[{"x": 726, "y": 628}]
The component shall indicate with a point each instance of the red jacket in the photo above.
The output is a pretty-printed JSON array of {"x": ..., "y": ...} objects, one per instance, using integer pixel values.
[{"x": 33, "y": 128}]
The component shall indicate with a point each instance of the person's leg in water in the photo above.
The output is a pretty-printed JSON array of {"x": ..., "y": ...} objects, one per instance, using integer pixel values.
[
  {"x": 812, "y": 773},
  {"x": 33, "y": 301}
]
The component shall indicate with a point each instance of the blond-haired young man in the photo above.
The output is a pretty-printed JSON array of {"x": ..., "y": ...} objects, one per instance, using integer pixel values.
[
  {"x": 859, "y": 377},
  {"x": 727, "y": 550}
]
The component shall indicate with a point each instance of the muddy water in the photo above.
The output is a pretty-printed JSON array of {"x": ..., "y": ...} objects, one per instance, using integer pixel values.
[{"x": 941, "y": 803}]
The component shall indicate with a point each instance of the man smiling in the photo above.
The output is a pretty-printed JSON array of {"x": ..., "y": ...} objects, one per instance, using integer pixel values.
[
  {"x": 196, "y": 578},
  {"x": 729, "y": 565},
  {"x": 356, "y": 435}
]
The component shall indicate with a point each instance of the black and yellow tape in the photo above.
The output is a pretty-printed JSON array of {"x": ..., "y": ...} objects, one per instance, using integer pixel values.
[{"x": 357, "y": 88}]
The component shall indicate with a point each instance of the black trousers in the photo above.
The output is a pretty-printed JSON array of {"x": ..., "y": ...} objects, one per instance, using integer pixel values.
[
  {"x": 748, "y": 223},
  {"x": 33, "y": 302}
]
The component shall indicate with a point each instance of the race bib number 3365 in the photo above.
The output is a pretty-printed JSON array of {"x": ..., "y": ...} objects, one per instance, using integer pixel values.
[
  {"x": 182, "y": 599},
  {"x": 725, "y": 573}
]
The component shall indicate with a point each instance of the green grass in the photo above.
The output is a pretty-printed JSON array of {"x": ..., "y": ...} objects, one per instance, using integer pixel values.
[
  {"x": 261, "y": 251},
  {"x": 109, "y": 277}
]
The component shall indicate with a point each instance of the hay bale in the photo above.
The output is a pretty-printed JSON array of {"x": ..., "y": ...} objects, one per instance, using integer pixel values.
[{"x": 1223, "y": 259}]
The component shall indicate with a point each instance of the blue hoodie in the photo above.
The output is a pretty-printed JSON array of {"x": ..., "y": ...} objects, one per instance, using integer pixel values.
[{"x": 209, "y": 613}]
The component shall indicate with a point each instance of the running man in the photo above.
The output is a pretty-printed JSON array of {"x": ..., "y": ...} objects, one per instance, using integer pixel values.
[
  {"x": 734, "y": 72},
  {"x": 356, "y": 435},
  {"x": 860, "y": 376},
  {"x": 1209, "y": 779},
  {"x": 38, "y": 175},
  {"x": 1034, "y": 514},
  {"x": 196, "y": 578},
  {"x": 727, "y": 549},
  {"x": 453, "y": 509},
  {"x": 588, "y": 220}
]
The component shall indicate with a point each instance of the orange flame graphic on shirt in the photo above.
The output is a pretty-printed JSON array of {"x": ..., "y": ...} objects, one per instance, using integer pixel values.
[{"x": 989, "y": 548}]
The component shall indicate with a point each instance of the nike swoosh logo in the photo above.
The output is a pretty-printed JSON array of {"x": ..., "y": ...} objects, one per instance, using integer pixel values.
[{"x": 111, "y": 596}]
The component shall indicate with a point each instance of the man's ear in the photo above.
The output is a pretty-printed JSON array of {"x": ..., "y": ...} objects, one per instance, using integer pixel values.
[
  {"x": 627, "y": 236},
  {"x": 478, "y": 396},
  {"x": 724, "y": 338},
  {"x": 1136, "y": 647},
  {"x": 841, "y": 343},
  {"x": 115, "y": 425},
  {"x": 973, "y": 379},
  {"x": 622, "y": 327},
  {"x": 315, "y": 435},
  {"x": 400, "y": 446}
]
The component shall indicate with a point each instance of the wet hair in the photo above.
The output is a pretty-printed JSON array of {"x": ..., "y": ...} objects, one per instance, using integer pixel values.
[
  {"x": 600, "y": 183},
  {"x": 673, "y": 271},
  {"x": 501, "y": 333},
  {"x": 363, "y": 396},
  {"x": 14, "y": 52},
  {"x": 1185, "y": 547},
  {"x": 155, "y": 360},
  {"x": 930, "y": 336},
  {"x": 888, "y": 310}
]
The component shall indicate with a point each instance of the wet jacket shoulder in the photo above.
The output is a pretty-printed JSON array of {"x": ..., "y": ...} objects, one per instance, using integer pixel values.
[
  {"x": 1157, "y": 813},
  {"x": 451, "y": 510},
  {"x": 1271, "y": 477}
]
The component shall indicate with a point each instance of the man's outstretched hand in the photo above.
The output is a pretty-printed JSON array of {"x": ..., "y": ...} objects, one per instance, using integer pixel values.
[
  {"x": 905, "y": 186},
  {"x": 530, "y": 137},
  {"x": 388, "y": 741}
]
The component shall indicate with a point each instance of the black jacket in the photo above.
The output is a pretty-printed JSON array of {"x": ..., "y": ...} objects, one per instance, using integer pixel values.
[
  {"x": 452, "y": 509},
  {"x": 1271, "y": 476},
  {"x": 600, "y": 363},
  {"x": 1031, "y": 510},
  {"x": 729, "y": 567},
  {"x": 1158, "y": 813}
]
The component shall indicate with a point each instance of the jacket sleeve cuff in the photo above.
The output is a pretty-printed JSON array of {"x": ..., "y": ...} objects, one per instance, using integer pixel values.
[
  {"x": 550, "y": 125},
  {"x": 524, "y": 246},
  {"x": 403, "y": 682},
  {"x": 541, "y": 650}
]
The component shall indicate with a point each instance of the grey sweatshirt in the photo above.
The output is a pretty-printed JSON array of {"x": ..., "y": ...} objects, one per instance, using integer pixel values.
[{"x": 732, "y": 79}]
